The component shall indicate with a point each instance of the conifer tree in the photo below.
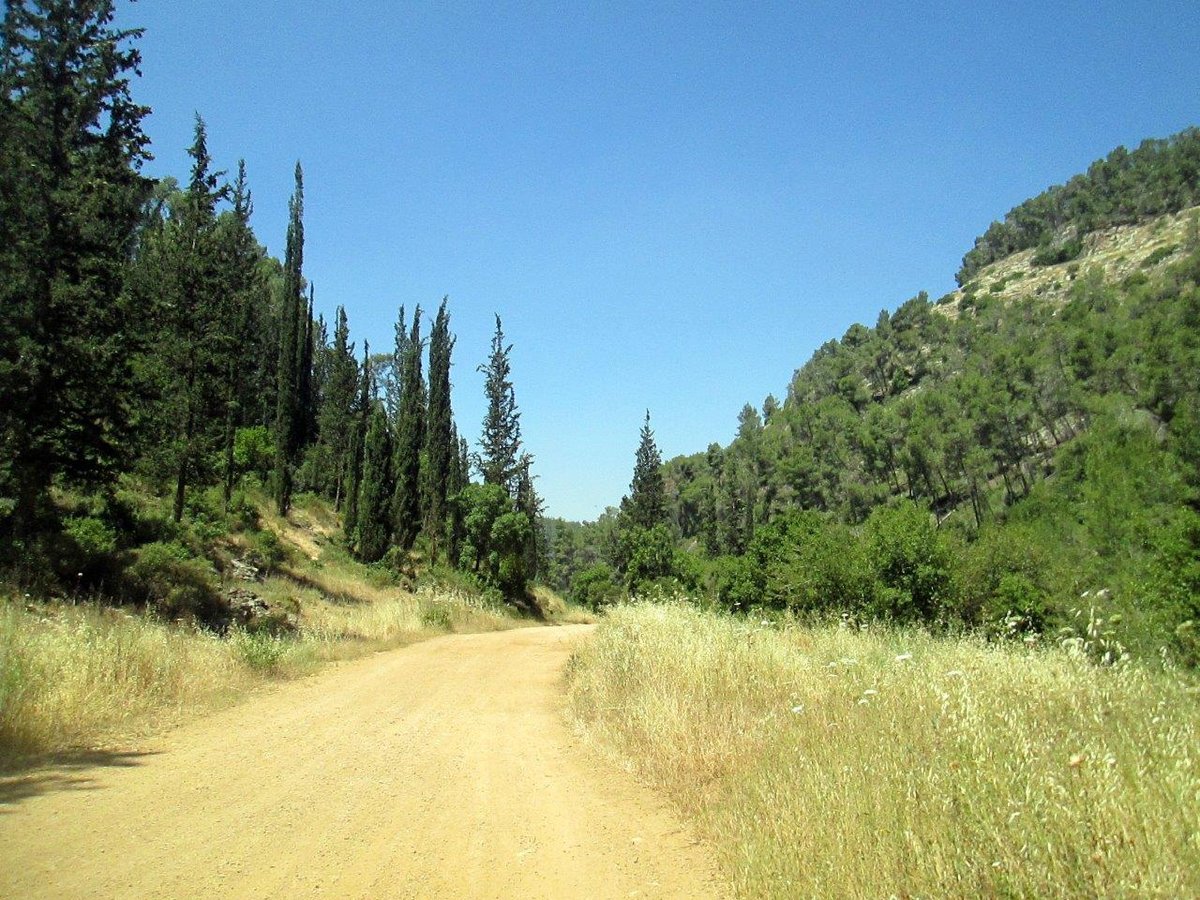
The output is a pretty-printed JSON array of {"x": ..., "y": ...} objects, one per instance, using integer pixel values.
[
  {"x": 336, "y": 422},
  {"x": 240, "y": 256},
  {"x": 500, "y": 445},
  {"x": 441, "y": 442},
  {"x": 410, "y": 440},
  {"x": 293, "y": 335},
  {"x": 192, "y": 314},
  {"x": 374, "y": 518},
  {"x": 360, "y": 421},
  {"x": 646, "y": 505},
  {"x": 71, "y": 192}
]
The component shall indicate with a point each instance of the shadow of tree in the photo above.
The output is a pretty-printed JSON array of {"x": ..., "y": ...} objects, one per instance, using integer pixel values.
[{"x": 70, "y": 771}]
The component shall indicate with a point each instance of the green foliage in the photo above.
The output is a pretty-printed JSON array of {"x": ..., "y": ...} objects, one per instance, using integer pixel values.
[
  {"x": 495, "y": 537},
  {"x": 1125, "y": 187},
  {"x": 596, "y": 587},
  {"x": 649, "y": 555},
  {"x": 1051, "y": 254},
  {"x": 912, "y": 565},
  {"x": 169, "y": 579}
]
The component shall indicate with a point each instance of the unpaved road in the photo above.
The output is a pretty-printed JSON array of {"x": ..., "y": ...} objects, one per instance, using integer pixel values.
[{"x": 441, "y": 770}]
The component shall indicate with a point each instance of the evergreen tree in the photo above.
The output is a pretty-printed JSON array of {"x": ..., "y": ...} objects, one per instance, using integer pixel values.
[
  {"x": 410, "y": 439},
  {"x": 500, "y": 445},
  {"x": 441, "y": 444},
  {"x": 359, "y": 424},
  {"x": 192, "y": 314},
  {"x": 529, "y": 504},
  {"x": 240, "y": 258},
  {"x": 337, "y": 413},
  {"x": 374, "y": 519},
  {"x": 646, "y": 505},
  {"x": 71, "y": 147},
  {"x": 293, "y": 335}
]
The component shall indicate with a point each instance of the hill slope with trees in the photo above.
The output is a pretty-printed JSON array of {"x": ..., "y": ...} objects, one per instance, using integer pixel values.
[{"x": 1019, "y": 455}]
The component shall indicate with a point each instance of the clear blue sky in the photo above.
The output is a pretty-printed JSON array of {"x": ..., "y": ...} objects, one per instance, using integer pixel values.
[{"x": 670, "y": 205}]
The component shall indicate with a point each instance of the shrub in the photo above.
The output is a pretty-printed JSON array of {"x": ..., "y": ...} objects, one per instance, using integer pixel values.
[
  {"x": 596, "y": 587},
  {"x": 911, "y": 563},
  {"x": 176, "y": 584},
  {"x": 1052, "y": 254}
]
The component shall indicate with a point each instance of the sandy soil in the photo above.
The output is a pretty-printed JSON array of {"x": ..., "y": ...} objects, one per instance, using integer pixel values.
[{"x": 440, "y": 770}]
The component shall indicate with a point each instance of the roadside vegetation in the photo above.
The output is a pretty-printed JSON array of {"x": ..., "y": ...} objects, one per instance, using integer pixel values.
[{"x": 838, "y": 760}]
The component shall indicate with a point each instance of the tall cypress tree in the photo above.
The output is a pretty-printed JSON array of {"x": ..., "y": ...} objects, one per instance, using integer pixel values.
[
  {"x": 360, "y": 421},
  {"x": 410, "y": 440},
  {"x": 71, "y": 194},
  {"x": 500, "y": 445},
  {"x": 193, "y": 317},
  {"x": 441, "y": 443},
  {"x": 336, "y": 417},
  {"x": 240, "y": 255},
  {"x": 374, "y": 526},
  {"x": 293, "y": 334}
]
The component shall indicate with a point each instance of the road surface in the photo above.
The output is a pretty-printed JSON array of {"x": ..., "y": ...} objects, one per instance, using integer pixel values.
[{"x": 443, "y": 769}]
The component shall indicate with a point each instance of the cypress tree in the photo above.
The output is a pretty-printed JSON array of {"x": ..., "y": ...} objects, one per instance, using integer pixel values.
[
  {"x": 336, "y": 418},
  {"x": 361, "y": 415},
  {"x": 293, "y": 333},
  {"x": 240, "y": 257},
  {"x": 410, "y": 439},
  {"x": 500, "y": 444},
  {"x": 374, "y": 525},
  {"x": 71, "y": 194},
  {"x": 193, "y": 317},
  {"x": 441, "y": 443}
]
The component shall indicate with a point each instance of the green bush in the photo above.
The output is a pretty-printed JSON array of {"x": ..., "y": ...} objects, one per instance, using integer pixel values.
[
  {"x": 912, "y": 565},
  {"x": 1051, "y": 254},
  {"x": 166, "y": 577},
  {"x": 596, "y": 587},
  {"x": 87, "y": 550}
]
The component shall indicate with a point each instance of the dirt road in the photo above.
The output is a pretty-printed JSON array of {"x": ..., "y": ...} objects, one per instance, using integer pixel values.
[{"x": 440, "y": 770}]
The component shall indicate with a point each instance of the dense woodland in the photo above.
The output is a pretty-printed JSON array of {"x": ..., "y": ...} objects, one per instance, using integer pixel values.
[
  {"x": 1025, "y": 464},
  {"x": 150, "y": 348}
]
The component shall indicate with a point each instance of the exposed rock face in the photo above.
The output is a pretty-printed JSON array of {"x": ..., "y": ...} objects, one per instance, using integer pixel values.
[
  {"x": 251, "y": 612},
  {"x": 244, "y": 571}
]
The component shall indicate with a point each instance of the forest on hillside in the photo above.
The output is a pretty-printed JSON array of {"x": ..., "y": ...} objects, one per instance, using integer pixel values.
[
  {"x": 160, "y": 371},
  {"x": 1021, "y": 461}
]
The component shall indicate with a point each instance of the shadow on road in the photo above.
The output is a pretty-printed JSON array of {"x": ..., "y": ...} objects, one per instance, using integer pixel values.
[{"x": 61, "y": 772}]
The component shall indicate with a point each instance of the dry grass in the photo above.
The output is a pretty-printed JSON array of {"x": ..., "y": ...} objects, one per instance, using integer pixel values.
[
  {"x": 79, "y": 676},
  {"x": 72, "y": 676},
  {"x": 834, "y": 762}
]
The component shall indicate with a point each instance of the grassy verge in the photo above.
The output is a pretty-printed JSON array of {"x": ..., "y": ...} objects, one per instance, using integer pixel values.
[
  {"x": 80, "y": 676},
  {"x": 836, "y": 762}
]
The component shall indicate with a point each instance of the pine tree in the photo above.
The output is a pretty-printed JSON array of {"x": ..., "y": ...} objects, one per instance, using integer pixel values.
[
  {"x": 441, "y": 443},
  {"x": 71, "y": 147},
  {"x": 646, "y": 505},
  {"x": 410, "y": 439},
  {"x": 500, "y": 444},
  {"x": 293, "y": 335},
  {"x": 374, "y": 525}
]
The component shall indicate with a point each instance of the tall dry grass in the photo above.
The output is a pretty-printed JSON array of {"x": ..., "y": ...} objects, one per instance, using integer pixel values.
[
  {"x": 71, "y": 676},
  {"x": 74, "y": 676},
  {"x": 836, "y": 762}
]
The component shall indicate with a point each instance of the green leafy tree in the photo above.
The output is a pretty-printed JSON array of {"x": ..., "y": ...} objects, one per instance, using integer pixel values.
[{"x": 71, "y": 194}]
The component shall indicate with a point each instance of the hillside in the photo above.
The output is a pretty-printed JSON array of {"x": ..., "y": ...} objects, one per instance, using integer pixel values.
[{"x": 992, "y": 458}]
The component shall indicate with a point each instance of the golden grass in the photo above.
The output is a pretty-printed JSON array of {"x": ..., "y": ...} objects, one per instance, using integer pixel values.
[
  {"x": 71, "y": 676},
  {"x": 835, "y": 762},
  {"x": 76, "y": 676}
]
